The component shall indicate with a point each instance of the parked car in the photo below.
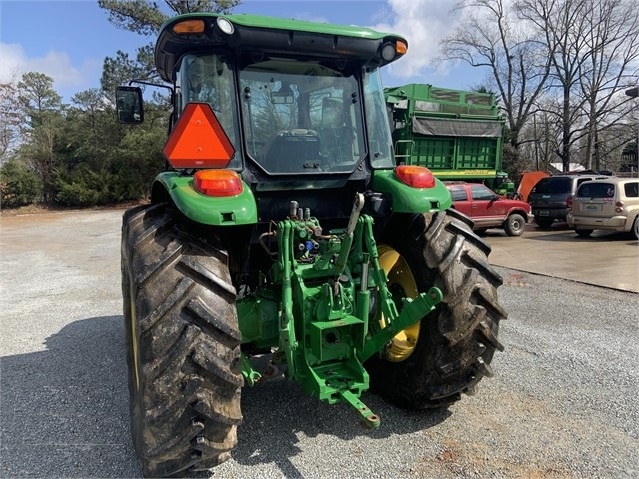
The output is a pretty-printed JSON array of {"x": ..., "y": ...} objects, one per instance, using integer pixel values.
[
  {"x": 611, "y": 204},
  {"x": 488, "y": 209},
  {"x": 549, "y": 197}
]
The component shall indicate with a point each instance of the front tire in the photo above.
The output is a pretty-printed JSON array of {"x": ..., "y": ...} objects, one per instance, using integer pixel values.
[
  {"x": 455, "y": 343},
  {"x": 183, "y": 344},
  {"x": 515, "y": 225}
]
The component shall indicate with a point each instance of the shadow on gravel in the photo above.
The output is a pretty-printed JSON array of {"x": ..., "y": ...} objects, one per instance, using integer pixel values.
[
  {"x": 277, "y": 411},
  {"x": 64, "y": 411},
  {"x": 596, "y": 237}
]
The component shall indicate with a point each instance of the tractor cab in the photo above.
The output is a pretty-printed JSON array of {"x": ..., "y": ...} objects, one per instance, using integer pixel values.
[
  {"x": 289, "y": 116},
  {"x": 291, "y": 101}
]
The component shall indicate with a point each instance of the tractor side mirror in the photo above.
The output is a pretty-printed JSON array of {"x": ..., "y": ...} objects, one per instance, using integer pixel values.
[{"x": 129, "y": 105}]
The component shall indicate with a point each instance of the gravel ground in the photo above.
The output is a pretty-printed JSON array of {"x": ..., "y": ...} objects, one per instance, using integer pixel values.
[{"x": 563, "y": 402}]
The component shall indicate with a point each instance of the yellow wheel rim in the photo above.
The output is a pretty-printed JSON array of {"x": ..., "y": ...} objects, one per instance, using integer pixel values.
[{"x": 398, "y": 273}]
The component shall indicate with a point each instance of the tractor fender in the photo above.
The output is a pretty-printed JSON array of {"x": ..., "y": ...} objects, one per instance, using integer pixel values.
[
  {"x": 209, "y": 210},
  {"x": 406, "y": 199}
]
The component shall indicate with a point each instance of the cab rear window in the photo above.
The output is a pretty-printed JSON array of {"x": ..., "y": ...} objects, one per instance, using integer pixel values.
[{"x": 596, "y": 190}]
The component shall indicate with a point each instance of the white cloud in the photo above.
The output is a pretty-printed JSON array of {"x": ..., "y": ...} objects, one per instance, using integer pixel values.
[
  {"x": 423, "y": 23},
  {"x": 67, "y": 77}
]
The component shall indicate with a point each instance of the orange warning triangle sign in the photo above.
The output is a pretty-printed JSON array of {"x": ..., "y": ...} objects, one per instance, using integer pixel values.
[{"x": 198, "y": 140}]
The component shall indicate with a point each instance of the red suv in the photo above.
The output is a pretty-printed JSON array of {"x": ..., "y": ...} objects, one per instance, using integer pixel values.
[{"x": 488, "y": 209}]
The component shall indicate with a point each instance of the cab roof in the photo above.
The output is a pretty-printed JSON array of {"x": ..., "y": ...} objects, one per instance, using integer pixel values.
[{"x": 269, "y": 35}]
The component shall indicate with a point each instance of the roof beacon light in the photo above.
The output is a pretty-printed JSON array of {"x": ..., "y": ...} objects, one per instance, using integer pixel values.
[
  {"x": 226, "y": 26},
  {"x": 189, "y": 26}
]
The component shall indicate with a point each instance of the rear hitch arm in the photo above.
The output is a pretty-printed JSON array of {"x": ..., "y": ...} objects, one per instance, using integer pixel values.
[{"x": 347, "y": 241}]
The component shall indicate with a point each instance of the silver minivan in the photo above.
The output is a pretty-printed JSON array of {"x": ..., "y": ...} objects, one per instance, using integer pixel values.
[{"x": 611, "y": 204}]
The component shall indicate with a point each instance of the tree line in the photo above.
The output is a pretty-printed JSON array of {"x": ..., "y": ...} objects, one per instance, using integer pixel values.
[
  {"x": 77, "y": 154},
  {"x": 74, "y": 154},
  {"x": 559, "y": 68}
]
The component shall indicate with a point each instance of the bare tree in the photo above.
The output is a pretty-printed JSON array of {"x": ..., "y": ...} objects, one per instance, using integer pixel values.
[
  {"x": 542, "y": 134},
  {"x": 10, "y": 119},
  {"x": 591, "y": 45},
  {"x": 562, "y": 25},
  {"x": 612, "y": 40},
  {"x": 492, "y": 36}
]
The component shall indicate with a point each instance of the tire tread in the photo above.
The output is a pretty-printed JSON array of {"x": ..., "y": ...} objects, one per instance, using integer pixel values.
[
  {"x": 458, "y": 339},
  {"x": 185, "y": 411}
]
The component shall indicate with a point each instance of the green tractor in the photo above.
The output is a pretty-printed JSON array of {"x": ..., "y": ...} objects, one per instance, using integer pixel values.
[{"x": 283, "y": 227}]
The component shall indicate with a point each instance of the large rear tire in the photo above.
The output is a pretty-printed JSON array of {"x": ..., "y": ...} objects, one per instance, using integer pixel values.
[
  {"x": 183, "y": 344},
  {"x": 453, "y": 346}
]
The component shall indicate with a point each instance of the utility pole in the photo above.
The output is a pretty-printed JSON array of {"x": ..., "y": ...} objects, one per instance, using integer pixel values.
[{"x": 633, "y": 93}]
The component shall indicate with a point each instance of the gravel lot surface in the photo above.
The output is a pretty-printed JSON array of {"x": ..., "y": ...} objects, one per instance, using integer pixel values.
[{"x": 563, "y": 402}]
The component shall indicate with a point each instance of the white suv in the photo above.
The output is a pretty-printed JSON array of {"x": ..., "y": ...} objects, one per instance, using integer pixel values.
[{"x": 610, "y": 204}]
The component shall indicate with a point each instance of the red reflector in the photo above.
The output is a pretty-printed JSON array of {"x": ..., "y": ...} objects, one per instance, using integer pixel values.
[
  {"x": 415, "y": 176},
  {"x": 218, "y": 182},
  {"x": 198, "y": 140}
]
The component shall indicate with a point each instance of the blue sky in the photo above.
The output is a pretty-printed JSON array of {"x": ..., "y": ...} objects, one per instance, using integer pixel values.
[{"x": 69, "y": 39}]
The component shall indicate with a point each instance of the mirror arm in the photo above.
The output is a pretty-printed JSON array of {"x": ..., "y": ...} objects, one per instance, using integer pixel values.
[{"x": 142, "y": 82}]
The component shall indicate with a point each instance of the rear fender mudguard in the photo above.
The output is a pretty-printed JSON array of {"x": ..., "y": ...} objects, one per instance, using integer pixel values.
[
  {"x": 407, "y": 199},
  {"x": 216, "y": 211}
]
